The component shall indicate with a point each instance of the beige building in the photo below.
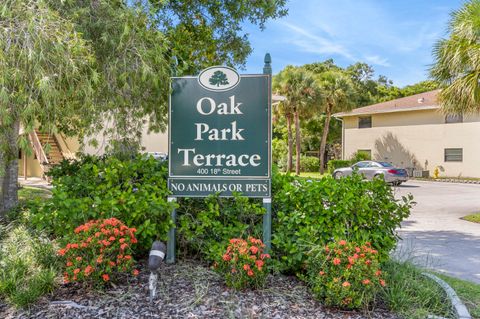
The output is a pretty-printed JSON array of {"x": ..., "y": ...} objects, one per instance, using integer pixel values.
[
  {"x": 60, "y": 147},
  {"x": 411, "y": 132}
]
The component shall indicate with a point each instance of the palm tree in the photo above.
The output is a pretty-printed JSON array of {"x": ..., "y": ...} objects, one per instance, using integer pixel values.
[
  {"x": 338, "y": 96},
  {"x": 457, "y": 62},
  {"x": 298, "y": 86}
]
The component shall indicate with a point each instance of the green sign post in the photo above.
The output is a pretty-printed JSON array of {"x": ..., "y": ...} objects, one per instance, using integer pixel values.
[{"x": 220, "y": 138}]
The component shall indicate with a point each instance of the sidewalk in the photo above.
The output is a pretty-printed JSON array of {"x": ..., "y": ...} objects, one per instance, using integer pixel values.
[{"x": 34, "y": 182}]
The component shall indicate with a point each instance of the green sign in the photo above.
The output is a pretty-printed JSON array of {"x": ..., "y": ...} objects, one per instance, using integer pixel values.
[{"x": 220, "y": 134}]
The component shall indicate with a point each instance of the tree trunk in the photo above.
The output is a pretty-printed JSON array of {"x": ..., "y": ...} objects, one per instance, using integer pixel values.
[
  {"x": 323, "y": 143},
  {"x": 9, "y": 168},
  {"x": 290, "y": 143},
  {"x": 297, "y": 143}
]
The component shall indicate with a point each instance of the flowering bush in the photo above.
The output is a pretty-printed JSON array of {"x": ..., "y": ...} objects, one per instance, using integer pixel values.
[
  {"x": 98, "y": 250},
  {"x": 314, "y": 211},
  {"x": 132, "y": 190},
  {"x": 244, "y": 265},
  {"x": 345, "y": 274}
]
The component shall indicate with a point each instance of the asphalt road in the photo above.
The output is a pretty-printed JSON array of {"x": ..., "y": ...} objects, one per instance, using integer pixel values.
[{"x": 435, "y": 236}]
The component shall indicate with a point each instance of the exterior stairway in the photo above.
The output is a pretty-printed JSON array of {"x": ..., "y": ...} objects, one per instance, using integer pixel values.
[
  {"x": 51, "y": 148},
  {"x": 47, "y": 150}
]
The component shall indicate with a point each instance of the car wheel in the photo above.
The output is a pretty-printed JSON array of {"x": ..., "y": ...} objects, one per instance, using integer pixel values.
[
  {"x": 381, "y": 176},
  {"x": 338, "y": 175}
]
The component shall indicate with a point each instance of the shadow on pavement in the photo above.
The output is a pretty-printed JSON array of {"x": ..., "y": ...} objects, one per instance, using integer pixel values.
[
  {"x": 406, "y": 223},
  {"x": 450, "y": 252}
]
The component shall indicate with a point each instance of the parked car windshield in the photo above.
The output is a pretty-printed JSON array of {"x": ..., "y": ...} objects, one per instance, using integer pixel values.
[
  {"x": 385, "y": 164},
  {"x": 360, "y": 165}
]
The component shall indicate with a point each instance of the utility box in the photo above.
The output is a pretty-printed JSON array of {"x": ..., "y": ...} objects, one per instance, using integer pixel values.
[{"x": 421, "y": 174}]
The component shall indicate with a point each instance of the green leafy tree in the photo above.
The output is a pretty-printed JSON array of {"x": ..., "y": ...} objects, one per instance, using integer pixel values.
[
  {"x": 218, "y": 78},
  {"x": 298, "y": 86},
  {"x": 46, "y": 79},
  {"x": 139, "y": 44},
  {"x": 320, "y": 67},
  {"x": 366, "y": 88},
  {"x": 132, "y": 67},
  {"x": 203, "y": 33},
  {"x": 420, "y": 87},
  {"x": 338, "y": 96},
  {"x": 457, "y": 62},
  {"x": 310, "y": 137},
  {"x": 130, "y": 47}
]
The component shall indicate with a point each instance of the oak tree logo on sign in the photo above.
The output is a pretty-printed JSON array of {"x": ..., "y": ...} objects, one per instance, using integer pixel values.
[{"x": 218, "y": 78}]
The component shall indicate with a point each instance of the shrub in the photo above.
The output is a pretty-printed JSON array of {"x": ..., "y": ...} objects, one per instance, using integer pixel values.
[
  {"x": 360, "y": 156},
  {"x": 206, "y": 225},
  {"x": 344, "y": 274},
  {"x": 243, "y": 265},
  {"x": 28, "y": 265},
  {"x": 97, "y": 251},
  {"x": 132, "y": 190},
  {"x": 334, "y": 164},
  {"x": 314, "y": 212},
  {"x": 309, "y": 164},
  {"x": 279, "y": 152}
]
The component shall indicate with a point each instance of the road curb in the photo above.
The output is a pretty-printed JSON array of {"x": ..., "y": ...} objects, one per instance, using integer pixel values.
[
  {"x": 447, "y": 180},
  {"x": 461, "y": 311}
]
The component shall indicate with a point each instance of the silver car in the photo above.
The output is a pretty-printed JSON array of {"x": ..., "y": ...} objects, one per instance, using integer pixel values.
[{"x": 371, "y": 169}]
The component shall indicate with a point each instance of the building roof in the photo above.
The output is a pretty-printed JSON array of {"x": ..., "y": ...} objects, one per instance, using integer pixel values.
[{"x": 422, "y": 101}]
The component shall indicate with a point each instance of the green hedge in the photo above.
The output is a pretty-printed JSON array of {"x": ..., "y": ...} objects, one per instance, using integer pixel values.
[
  {"x": 315, "y": 212},
  {"x": 334, "y": 164},
  {"x": 132, "y": 190},
  {"x": 307, "y": 164},
  {"x": 304, "y": 212},
  {"x": 205, "y": 225}
]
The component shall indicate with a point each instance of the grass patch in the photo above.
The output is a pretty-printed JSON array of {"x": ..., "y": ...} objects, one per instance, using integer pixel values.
[
  {"x": 461, "y": 178},
  {"x": 33, "y": 193},
  {"x": 447, "y": 177},
  {"x": 316, "y": 175},
  {"x": 467, "y": 291},
  {"x": 28, "y": 265},
  {"x": 411, "y": 294},
  {"x": 312, "y": 175},
  {"x": 474, "y": 218},
  {"x": 28, "y": 197}
]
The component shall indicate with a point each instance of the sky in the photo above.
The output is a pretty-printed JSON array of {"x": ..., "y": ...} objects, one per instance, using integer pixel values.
[{"x": 396, "y": 37}]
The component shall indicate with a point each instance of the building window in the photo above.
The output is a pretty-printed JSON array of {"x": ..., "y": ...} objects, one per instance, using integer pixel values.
[
  {"x": 365, "y": 122},
  {"x": 454, "y": 118},
  {"x": 453, "y": 154},
  {"x": 364, "y": 154}
]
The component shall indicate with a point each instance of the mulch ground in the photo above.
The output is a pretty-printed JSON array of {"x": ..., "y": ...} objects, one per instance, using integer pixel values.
[{"x": 185, "y": 290}]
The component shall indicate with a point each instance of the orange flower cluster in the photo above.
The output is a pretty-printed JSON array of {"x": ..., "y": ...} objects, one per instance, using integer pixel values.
[
  {"x": 97, "y": 250},
  {"x": 243, "y": 263},
  {"x": 347, "y": 275},
  {"x": 350, "y": 255}
]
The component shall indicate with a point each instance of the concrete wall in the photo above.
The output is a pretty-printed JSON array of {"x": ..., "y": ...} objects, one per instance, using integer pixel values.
[
  {"x": 33, "y": 166},
  {"x": 153, "y": 142},
  {"x": 417, "y": 139}
]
